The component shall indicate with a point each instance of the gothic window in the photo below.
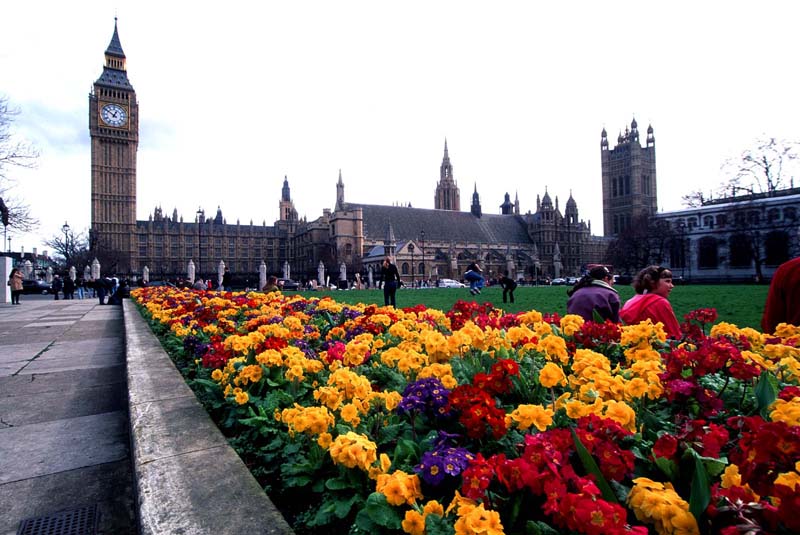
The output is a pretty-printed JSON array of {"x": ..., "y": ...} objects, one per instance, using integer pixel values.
[
  {"x": 692, "y": 223},
  {"x": 753, "y": 218},
  {"x": 708, "y": 221},
  {"x": 777, "y": 248},
  {"x": 627, "y": 184},
  {"x": 677, "y": 253},
  {"x": 404, "y": 268},
  {"x": 614, "y": 187},
  {"x": 722, "y": 220},
  {"x": 740, "y": 251},
  {"x": 646, "y": 184},
  {"x": 348, "y": 249},
  {"x": 773, "y": 215},
  {"x": 707, "y": 256},
  {"x": 421, "y": 268}
]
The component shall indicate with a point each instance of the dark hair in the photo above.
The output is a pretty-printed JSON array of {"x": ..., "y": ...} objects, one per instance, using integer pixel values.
[
  {"x": 647, "y": 279},
  {"x": 596, "y": 273}
]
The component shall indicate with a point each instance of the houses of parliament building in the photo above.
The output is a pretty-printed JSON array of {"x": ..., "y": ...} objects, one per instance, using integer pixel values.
[{"x": 350, "y": 238}]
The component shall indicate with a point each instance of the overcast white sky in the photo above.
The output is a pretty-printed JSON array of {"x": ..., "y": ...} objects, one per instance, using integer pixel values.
[{"x": 235, "y": 95}]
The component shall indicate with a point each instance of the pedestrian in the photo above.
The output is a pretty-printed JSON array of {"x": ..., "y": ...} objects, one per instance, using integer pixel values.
[
  {"x": 594, "y": 292},
  {"x": 474, "y": 275},
  {"x": 783, "y": 299},
  {"x": 226, "y": 279},
  {"x": 69, "y": 288},
  {"x": 57, "y": 285},
  {"x": 653, "y": 285},
  {"x": 103, "y": 286},
  {"x": 209, "y": 285},
  {"x": 79, "y": 285},
  {"x": 509, "y": 285},
  {"x": 390, "y": 278},
  {"x": 271, "y": 285},
  {"x": 15, "y": 281},
  {"x": 199, "y": 284}
]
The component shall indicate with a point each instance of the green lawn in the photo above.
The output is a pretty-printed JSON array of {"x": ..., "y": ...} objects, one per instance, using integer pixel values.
[{"x": 738, "y": 304}]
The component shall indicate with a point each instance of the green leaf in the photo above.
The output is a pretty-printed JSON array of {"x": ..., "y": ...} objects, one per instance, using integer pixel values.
[
  {"x": 336, "y": 484},
  {"x": 406, "y": 451},
  {"x": 668, "y": 466},
  {"x": 596, "y": 317},
  {"x": 343, "y": 506},
  {"x": 590, "y": 466},
  {"x": 537, "y": 527},
  {"x": 766, "y": 392},
  {"x": 436, "y": 525},
  {"x": 381, "y": 512},
  {"x": 701, "y": 492}
]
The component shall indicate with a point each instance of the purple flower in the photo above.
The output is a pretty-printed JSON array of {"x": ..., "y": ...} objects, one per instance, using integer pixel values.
[
  {"x": 428, "y": 396},
  {"x": 436, "y": 464}
]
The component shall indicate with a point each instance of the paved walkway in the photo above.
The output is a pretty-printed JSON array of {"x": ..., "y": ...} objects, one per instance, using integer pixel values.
[{"x": 64, "y": 439}]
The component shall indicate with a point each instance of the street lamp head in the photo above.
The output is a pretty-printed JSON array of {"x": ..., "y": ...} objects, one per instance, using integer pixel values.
[{"x": 65, "y": 228}]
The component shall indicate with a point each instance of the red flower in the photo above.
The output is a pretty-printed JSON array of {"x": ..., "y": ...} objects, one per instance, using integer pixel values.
[{"x": 666, "y": 446}]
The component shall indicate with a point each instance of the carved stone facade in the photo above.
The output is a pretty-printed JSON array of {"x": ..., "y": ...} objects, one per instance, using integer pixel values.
[
  {"x": 629, "y": 179},
  {"x": 427, "y": 243},
  {"x": 740, "y": 238}
]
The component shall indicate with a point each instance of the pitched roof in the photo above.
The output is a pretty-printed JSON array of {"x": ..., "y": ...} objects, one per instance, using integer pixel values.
[{"x": 441, "y": 225}]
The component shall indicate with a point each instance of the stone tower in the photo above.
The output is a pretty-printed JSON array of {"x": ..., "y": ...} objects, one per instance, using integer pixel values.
[
  {"x": 286, "y": 206},
  {"x": 447, "y": 194},
  {"x": 114, "y": 133},
  {"x": 476, "y": 203},
  {"x": 629, "y": 179}
]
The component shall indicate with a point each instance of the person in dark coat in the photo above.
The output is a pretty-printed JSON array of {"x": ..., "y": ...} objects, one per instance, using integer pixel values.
[
  {"x": 57, "y": 285},
  {"x": 509, "y": 285},
  {"x": 69, "y": 288},
  {"x": 390, "y": 278},
  {"x": 593, "y": 292},
  {"x": 226, "y": 280}
]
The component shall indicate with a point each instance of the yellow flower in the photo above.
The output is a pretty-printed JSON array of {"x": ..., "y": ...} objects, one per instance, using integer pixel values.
[
  {"x": 552, "y": 375},
  {"x": 786, "y": 411},
  {"x": 353, "y": 450},
  {"x": 242, "y": 398},
  {"x": 399, "y": 487},
  {"x": 349, "y": 414},
  {"x": 413, "y": 523},
  {"x": 554, "y": 347},
  {"x": 571, "y": 323},
  {"x": 479, "y": 521},
  {"x": 216, "y": 375},
  {"x": 532, "y": 415},
  {"x": 622, "y": 413},
  {"x": 433, "y": 508}
]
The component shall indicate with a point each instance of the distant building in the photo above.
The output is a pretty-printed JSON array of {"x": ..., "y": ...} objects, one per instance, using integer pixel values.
[
  {"x": 629, "y": 179},
  {"x": 427, "y": 243},
  {"x": 737, "y": 238}
]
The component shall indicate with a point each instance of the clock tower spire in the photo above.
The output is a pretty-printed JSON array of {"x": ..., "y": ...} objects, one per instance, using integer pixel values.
[{"x": 114, "y": 133}]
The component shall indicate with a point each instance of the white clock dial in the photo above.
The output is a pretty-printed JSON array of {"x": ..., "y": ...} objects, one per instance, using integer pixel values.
[{"x": 114, "y": 115}]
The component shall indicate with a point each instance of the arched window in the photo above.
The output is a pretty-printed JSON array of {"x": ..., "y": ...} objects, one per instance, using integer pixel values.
[
  {"x": 773, "y": 215},
  {"x": 348, "y": 249},
  {"x": 677, "y": 253},
  {"x": 708, "y": 221},
  {"x": 790, "y": 213},
  {"x": 707, "y": 256},
  {"x": 741, "y": 253},
  {"x": 776, "y": 246},
  {"x": 404, "y": 268},
  {"x": 421, "y": 268}
]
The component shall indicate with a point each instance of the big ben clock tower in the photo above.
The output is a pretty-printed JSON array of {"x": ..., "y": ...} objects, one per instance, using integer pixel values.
[{"x": 114, "y": 132}]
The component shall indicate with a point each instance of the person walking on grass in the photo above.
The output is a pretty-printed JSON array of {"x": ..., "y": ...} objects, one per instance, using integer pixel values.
[
  {"x": 390, "y": 278},
  {"x": 509, "y": 285}
]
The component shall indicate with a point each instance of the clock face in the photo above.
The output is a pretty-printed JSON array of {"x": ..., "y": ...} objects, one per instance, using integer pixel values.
[{"x": 114, "y": 115}]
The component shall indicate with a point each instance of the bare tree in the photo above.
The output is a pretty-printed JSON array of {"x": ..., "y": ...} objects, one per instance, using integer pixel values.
[
  {"x": 73, "y": 248},
  {"x": 647, "y": 241},
  {"x": 765, "y": 168},
  {"x": 14, "y": 153}
]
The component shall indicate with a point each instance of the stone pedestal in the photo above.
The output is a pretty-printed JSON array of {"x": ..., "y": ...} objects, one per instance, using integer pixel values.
[{"x": 5, "y": 271}]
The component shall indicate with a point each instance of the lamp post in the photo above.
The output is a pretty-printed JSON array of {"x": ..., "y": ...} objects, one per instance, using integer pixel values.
[
  {"x": 199, "y": 240},
  {"x": 411, "y": 250},
  {"x": 424, "y": 272},
  {"x": 65, "y": 230}
]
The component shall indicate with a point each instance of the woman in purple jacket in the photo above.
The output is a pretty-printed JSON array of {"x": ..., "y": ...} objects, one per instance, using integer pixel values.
[{"x": 594, "y": 292}]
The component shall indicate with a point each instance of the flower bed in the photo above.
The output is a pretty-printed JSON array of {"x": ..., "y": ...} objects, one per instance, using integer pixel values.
[{"x": 363, "y": 419}]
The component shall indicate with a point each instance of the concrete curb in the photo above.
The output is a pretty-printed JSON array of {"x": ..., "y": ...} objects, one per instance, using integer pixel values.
[{"x": 188, "y": 479}]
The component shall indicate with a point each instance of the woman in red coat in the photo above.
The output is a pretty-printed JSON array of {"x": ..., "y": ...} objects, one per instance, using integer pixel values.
[{"x": 653, "y": 285}]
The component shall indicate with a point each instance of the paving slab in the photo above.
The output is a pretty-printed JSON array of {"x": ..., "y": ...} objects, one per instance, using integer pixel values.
[
  {"x": 70, "y": 401},
  {"x": 102, "y": 484},
  {"x": 60, "y": 445}
]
